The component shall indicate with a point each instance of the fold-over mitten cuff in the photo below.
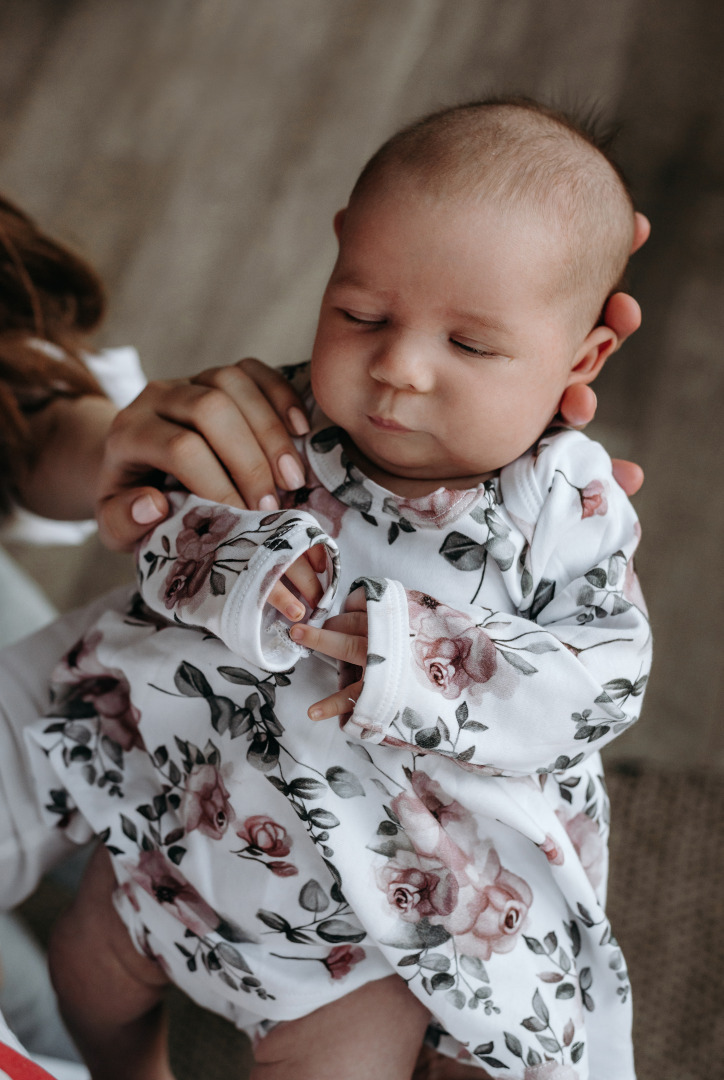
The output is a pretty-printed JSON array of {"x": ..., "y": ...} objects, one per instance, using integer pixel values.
[{"x": 387, "y": 659}]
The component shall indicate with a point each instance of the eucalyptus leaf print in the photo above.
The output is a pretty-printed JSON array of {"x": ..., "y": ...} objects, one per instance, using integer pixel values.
[{"x": 450, "y": 829}]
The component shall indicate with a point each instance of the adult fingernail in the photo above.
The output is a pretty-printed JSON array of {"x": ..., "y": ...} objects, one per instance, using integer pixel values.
[
  {"x": 315, "y": 714},
  {"x": 144, "y": 511},
  {"x": 296, "y": 633},
  {"x": 297, "y": 421},
  {"x": 290, "y": 471},
  {"x": 268, "y": 502}
]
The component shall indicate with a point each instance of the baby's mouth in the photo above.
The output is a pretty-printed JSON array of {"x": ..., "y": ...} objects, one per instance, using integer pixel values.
[{"x": 384, "y": 424}]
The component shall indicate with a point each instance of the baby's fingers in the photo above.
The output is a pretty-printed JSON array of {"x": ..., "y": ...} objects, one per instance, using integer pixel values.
[
  {"x": 304, "y": 578},
  {"x": 349, "y": 648},
  {"x": 340, "y": 704},
  {"x": 285, "y": 602}
]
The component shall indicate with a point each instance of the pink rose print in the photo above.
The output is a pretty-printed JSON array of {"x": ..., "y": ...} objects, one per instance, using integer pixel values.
[
  {"x": 495, "y": 913},
  {"x": 342, "y": 958},
  {"x": 478, "y": 901},
  {"x": 185, "y": 579},
  {"x": 316, "y": 500},
  {"x": 262, "y": 832},
  {"x": 161, "y": 880},
  {"x": 84, "y": 686},
  {"x": 552, "y": 852},
  {"x": 418, "y": 893},
  {"x": 587, "y": 840},
  {"x": 453, "y": 653},
  {"x": 265, "y": 837},
  {"x": 205, "y": 804},
  {"x": 593, "y": 499},
  {"x": 205, "y": 530}
]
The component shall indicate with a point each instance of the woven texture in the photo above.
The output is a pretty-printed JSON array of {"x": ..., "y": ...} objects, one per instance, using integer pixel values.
[
  {"x": 667, "y": 907},
  {"x": 666, "y": 902}
]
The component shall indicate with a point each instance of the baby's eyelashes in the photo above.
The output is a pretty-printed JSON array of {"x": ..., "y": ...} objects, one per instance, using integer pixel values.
[
  {"x": 472, "y": 349},
  {"x": 358, "y": 317}
]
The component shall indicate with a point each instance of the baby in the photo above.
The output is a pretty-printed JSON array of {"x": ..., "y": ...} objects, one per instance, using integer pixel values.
[{"x": 437, "y": 857}]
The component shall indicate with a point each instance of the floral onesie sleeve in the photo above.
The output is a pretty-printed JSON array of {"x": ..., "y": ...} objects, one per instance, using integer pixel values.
[
  {"x": 212, "y": 567},
  {"x": 536, "y": 690}
]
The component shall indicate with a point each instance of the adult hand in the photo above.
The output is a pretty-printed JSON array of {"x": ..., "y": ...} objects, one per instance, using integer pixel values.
[
  {"x": 578, "y": 404},
  {"x": 225, "y": 435}
]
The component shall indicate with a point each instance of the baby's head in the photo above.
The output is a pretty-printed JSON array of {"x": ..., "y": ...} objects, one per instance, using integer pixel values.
[{"x": 476, "y": 254}]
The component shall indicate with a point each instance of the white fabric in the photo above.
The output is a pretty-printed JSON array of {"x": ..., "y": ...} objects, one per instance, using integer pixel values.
[
  {"x": 453, "y": 829},
  {"x": 28, "y": 846}
]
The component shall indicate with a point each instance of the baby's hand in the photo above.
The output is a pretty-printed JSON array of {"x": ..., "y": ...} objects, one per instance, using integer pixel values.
[
  {"x": 302, "y": 574},
  {"x": 343, "y": 637}
]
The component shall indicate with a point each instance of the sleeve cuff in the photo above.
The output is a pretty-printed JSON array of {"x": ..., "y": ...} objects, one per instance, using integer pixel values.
[
  {"x": 249, "y": 626},
  {"x": 388, "y": 634}
]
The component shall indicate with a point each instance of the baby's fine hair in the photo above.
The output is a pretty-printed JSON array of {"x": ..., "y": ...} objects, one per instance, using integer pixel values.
[{"x": 522, "y": 154}]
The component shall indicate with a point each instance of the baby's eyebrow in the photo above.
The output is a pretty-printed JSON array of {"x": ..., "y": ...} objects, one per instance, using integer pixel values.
[
  {"x": 350, "y": 281},
  {"x": 485, "y": 322}
]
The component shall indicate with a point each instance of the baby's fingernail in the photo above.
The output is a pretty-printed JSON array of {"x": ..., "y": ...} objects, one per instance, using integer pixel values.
[
  {"x": 315, "y": 714},
  {"x": 268, "y": 502},
  {"x": 292, "y": 475},
  {"x": 297, "y": 421},
  {"x": 144, "y": 511},
  {"x": 295, "y": 611}
]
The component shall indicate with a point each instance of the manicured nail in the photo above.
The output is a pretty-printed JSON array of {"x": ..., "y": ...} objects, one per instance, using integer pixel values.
[
  {"x": 315, "y": 714},
  {"x": 292, "y": 475},
  {"x": 295, "y": 611},
  {"x": 268, "y": 502},
  {"x": 144, "y": 511},
  {"x": 297, "y": 421}
]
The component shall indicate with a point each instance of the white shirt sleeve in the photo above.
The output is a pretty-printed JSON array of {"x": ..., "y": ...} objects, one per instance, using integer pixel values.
[
  {"x": 539, "y": 689},
  {"x": 212, "y": 567}
]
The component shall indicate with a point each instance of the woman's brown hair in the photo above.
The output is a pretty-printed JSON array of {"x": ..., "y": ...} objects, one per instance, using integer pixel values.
[{"x": 47, "y": 294}]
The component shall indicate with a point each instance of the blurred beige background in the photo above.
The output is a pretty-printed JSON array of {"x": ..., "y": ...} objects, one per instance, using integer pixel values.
[{"x": 196, "y": 150}]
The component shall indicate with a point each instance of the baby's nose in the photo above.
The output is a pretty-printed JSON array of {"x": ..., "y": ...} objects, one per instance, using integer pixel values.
[{"x": 402, "y": 361}]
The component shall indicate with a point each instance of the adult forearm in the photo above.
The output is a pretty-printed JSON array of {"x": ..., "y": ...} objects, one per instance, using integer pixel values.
[{"x": 70, "y": 435}]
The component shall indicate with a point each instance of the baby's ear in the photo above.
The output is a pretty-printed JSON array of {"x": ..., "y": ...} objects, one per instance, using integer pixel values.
[{"x": 592, "y": 354}]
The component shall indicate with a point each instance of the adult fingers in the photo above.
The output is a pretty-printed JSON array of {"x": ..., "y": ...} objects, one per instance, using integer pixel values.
[
  {"x": 642, "y": 231},
  {"x": 578, "y": 405},
  {"x": 628, "y": 474},
  {"x": 265, "y": 402},
  {"x": 623, "y": 314},
  {"x": 124, "y": 519},
  {"x": 280, "y": 394}
]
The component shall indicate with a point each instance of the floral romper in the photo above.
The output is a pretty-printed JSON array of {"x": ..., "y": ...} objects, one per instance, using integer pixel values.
[{"x": 452, "y": 828}]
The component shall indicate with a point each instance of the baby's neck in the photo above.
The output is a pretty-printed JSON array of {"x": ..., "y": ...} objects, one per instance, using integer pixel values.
[{"x": 410, "y": 487}]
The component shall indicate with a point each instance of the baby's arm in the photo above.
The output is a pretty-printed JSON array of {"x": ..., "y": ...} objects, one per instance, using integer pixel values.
[
  {"x": 513, "y": 693},
  {"x": 216, "y": 568}
]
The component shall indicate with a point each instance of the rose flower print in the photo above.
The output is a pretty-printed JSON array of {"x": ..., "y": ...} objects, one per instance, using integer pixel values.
[
  {"x": 84, "y": 687},
  {"x": 451, "y": 652},
  {"x": 265, "y": 837},
  {"x": 205, "y": 530},
  {"x": 452, "y": 878},
  {"x": 205, "y": 803}
]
